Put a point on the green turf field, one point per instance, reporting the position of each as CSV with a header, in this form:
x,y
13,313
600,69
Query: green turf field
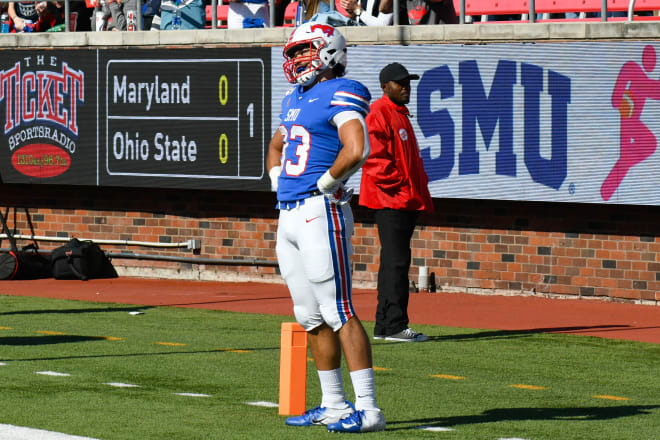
x,y
463,384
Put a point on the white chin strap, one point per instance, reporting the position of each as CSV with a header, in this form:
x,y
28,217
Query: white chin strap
x,y
308,77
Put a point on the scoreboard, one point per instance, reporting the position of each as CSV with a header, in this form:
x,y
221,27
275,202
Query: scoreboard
x,y
185,118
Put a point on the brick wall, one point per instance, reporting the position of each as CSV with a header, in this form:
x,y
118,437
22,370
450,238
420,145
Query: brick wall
x,y
556,249
475,246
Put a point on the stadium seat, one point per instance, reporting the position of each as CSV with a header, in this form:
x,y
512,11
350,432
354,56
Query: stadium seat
x,y
223,10
290,14
479,8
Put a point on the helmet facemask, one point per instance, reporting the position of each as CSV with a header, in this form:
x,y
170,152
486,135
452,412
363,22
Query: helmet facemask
x,y
304,69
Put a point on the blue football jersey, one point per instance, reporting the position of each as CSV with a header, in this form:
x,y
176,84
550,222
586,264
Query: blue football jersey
x,y
311,141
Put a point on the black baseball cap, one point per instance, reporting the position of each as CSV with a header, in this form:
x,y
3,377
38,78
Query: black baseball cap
x,y
395,72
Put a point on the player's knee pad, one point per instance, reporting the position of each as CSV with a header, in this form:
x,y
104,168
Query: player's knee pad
x,y
308,319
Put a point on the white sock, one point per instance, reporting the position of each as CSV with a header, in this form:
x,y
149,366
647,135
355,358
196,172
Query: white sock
x,y
365,390
332,389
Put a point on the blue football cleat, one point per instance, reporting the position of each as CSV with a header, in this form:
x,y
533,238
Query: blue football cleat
x,y
320,416
360,421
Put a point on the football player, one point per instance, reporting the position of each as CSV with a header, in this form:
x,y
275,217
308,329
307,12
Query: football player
x,y
321,141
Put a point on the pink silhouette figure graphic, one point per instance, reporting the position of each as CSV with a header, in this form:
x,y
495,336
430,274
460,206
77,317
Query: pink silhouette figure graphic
x,y
632,88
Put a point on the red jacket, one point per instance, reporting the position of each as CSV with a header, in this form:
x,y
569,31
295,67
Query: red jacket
x,y
393,175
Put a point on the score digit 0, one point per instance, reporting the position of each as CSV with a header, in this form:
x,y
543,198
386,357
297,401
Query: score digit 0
x,y
223,94
223,151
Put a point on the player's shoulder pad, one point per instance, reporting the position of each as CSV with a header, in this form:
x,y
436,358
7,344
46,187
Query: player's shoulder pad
x,y
289,91
352,95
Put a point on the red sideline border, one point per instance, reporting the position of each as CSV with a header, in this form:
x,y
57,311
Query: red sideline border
x,y
511,313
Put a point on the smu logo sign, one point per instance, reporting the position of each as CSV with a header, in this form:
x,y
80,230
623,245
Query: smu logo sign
x,y
484,111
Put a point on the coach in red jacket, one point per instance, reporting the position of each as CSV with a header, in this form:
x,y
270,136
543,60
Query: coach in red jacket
x,y
394,185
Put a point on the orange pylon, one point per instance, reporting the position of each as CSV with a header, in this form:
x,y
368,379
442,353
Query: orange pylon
x,y
293,369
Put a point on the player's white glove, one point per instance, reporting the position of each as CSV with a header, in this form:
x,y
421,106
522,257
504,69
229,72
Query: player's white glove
x,y
274,175
334,190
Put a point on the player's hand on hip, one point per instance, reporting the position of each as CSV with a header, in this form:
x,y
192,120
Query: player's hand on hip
x,y
346,195
339,194
333,189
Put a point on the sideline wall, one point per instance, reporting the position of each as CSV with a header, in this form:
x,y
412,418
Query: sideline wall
x,y
479,246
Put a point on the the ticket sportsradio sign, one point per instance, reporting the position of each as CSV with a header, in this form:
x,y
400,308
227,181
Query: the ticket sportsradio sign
x,y
181,118
42,97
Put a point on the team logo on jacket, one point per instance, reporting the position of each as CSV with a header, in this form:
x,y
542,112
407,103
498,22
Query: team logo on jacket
x,y
403,134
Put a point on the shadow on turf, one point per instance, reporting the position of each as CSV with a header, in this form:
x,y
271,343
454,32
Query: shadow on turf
x,y
225,301
88,310
507,334
497,334
519,414
46,339
219,351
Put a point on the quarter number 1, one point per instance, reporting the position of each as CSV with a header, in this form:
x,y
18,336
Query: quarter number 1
x,y
250,112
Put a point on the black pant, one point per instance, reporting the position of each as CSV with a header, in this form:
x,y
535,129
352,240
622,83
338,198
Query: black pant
x,y
395,229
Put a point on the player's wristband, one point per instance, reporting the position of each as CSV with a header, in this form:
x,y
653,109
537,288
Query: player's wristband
x,y
274,175
326,182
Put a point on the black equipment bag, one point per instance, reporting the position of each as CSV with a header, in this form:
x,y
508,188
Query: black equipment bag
x,y
26,264
80,260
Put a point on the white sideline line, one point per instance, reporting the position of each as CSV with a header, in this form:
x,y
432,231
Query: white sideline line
x,y
262,403
52,373
435,428
121,385
11,432
192,395
2,364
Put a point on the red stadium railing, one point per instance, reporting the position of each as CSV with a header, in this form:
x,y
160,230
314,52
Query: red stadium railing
x,y
535,7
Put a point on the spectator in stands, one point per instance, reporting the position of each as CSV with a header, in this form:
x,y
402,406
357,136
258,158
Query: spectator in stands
x,y
151,15
35,16
193,14
337,17
19,12
50,16
427,12
367,12
280,11
115,11
309,8
248,14
80,16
